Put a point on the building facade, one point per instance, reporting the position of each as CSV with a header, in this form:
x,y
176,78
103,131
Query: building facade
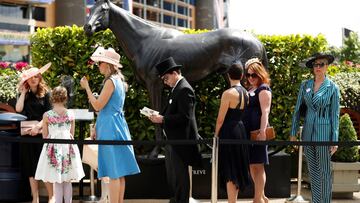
x,y
19,18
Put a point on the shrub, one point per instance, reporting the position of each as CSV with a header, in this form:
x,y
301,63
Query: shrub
x,y
8,87
69,50
349,84
346,133
286,54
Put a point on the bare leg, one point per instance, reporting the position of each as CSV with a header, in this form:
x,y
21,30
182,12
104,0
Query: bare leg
x,y
232,192
122,190
50,190
259,178
34,185
114,188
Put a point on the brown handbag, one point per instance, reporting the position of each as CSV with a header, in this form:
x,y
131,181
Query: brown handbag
x,y
270,134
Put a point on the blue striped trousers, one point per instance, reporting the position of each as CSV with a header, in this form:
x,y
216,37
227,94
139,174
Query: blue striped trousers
x,y
318,160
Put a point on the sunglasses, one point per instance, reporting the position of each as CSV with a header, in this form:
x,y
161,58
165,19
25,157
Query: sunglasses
x,y
320,65
253,75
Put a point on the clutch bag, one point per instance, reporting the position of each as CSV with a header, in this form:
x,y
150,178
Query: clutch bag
x,y
270,134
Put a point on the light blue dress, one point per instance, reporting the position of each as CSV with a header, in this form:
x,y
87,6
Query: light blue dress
x,y
115,161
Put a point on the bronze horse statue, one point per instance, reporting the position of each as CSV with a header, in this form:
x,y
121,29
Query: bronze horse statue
x,y
146,44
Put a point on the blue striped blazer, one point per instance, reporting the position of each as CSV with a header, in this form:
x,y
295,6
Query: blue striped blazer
x,y
321,121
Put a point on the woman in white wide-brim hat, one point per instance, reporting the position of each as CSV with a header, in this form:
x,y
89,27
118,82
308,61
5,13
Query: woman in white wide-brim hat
x,y
33,102
114,161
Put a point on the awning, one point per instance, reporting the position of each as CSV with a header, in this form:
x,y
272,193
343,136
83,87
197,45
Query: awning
x,y
41,1
14,42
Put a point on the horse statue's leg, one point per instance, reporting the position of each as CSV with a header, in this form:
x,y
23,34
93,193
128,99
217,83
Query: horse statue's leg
x,y
155,94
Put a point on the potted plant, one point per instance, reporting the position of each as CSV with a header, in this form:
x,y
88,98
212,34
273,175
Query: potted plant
x,y
345,162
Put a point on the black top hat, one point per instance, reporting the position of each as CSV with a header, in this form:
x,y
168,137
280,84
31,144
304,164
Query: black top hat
x,y
310,61
166,66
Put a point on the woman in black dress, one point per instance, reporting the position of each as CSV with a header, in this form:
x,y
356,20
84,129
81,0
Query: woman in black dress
x,y
233,159
33,102
256,118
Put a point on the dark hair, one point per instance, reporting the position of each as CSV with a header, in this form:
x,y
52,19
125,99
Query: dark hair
x,y
236,71
59,95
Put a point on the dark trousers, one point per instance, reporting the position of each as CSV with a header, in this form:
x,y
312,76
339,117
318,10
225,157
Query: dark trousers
x,y
177,175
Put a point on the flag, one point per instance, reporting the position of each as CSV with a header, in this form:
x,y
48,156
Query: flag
x,y
127,5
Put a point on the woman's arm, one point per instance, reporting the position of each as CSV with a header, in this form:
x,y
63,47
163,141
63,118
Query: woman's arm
x,y
334,114
224,105
19,107
265,104
72,128
45,129
296,114
105,94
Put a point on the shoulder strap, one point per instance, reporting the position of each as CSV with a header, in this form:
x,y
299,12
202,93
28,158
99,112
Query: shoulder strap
x,y
242,99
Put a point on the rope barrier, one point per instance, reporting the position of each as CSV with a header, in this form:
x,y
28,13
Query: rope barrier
x,y
178,142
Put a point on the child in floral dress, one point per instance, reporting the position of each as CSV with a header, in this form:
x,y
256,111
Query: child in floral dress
x,y
59,163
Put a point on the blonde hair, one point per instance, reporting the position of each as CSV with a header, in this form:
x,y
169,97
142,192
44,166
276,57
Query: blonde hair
x,y
115,71
258,68
59,95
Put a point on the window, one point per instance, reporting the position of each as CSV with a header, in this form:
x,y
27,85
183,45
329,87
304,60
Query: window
x,y
39,13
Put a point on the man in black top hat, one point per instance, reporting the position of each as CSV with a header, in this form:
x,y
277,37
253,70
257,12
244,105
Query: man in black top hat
x,y
178,122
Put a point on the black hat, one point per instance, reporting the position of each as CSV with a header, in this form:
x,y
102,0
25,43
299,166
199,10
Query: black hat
x,y
166,66
310,61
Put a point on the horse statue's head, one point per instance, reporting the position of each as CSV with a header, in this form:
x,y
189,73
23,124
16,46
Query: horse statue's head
x,y
99,17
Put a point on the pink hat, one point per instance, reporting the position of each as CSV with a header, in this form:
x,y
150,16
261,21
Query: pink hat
x,y
106,55
32,72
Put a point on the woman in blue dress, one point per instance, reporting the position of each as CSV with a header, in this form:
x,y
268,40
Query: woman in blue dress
x,y
114,161
257,118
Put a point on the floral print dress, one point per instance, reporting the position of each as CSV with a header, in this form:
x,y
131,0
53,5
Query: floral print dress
x,y
59,162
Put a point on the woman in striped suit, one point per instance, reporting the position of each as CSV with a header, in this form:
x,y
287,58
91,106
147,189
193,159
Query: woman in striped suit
x,y
321,123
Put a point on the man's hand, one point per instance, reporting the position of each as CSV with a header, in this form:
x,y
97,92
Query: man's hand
x,y
156,118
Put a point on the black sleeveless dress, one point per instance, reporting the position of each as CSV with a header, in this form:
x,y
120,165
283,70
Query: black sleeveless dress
x,y
234,159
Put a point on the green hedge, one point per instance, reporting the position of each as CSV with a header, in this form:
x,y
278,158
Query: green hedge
x,y
69,51
349,84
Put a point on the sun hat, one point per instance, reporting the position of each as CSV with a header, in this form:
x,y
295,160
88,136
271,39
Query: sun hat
x,y
106,55
310,61
166,66
25,75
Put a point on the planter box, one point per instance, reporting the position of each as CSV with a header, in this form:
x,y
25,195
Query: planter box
x,y
151,183
345,179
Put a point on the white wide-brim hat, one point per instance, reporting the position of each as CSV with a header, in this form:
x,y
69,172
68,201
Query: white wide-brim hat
x,y
29,73
106,55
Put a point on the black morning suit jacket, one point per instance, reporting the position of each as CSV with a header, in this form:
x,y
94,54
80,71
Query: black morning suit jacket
x,y
179,122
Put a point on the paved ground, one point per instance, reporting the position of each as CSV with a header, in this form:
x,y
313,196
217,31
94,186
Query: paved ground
x,y
305,193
